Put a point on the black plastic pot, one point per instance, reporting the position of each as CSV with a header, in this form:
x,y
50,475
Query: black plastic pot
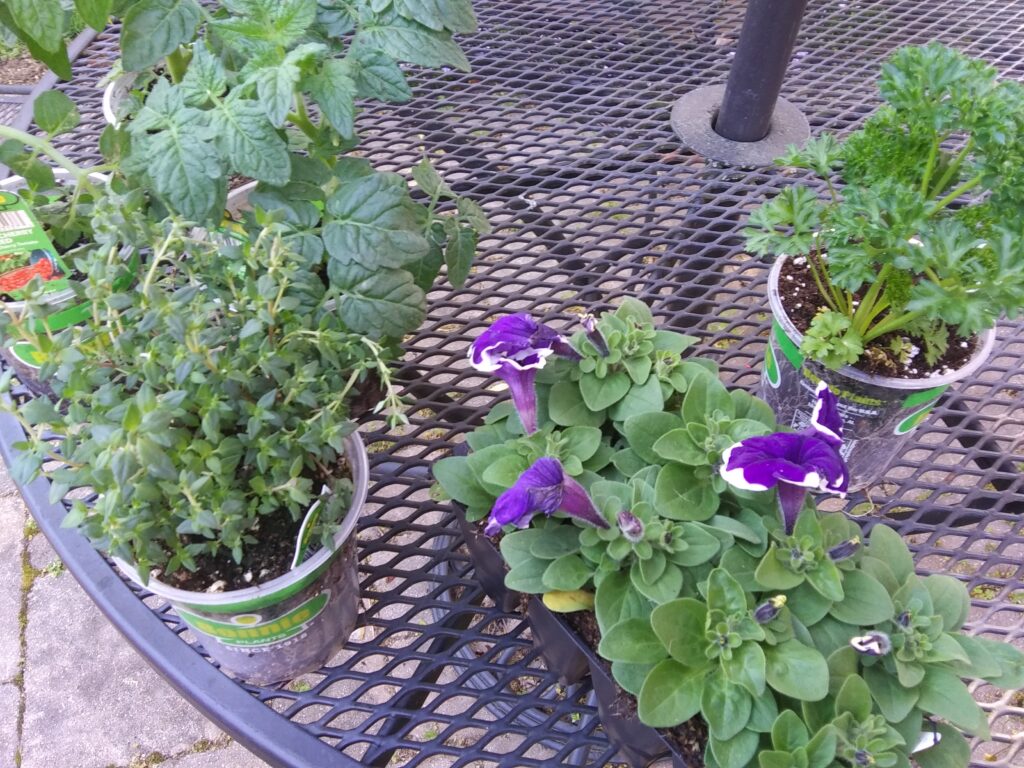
x,y
566,654
878,412
485,680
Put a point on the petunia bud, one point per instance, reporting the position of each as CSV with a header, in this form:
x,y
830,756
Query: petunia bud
x,y
844,550
863,758
766,612
872,644
594,335
632,527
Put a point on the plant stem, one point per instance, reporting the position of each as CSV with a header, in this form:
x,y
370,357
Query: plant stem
x,y
933,153
828,294
966,186
301,117
861,317
892,324
952,170
41,145
176,64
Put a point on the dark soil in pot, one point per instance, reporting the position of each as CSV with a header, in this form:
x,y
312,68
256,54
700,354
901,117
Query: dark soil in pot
x,y
261,562
802,300
20,69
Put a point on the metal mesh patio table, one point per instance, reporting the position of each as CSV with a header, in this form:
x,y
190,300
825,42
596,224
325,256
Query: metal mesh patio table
x,y
562,133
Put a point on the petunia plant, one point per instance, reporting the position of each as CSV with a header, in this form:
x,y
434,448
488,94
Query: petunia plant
x,y
625,479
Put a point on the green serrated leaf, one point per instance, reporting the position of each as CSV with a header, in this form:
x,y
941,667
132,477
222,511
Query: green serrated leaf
x,y
95,13
275,87
42,20
56,60
378,303
334,90
377,76
458,256
205,79
151,29
430,181
453,15
251,144
372,224
405,40
55,113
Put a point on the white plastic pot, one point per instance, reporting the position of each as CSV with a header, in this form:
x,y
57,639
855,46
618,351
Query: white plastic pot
x,y
290,625
878,412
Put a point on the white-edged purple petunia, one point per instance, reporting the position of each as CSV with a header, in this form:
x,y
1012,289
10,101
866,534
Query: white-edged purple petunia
x,y
793,463
515,347
543,487
825,419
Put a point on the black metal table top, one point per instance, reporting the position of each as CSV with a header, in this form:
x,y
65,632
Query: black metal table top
x,y
562,133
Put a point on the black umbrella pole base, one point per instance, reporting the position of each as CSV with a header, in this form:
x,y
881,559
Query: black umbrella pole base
x,y
693,119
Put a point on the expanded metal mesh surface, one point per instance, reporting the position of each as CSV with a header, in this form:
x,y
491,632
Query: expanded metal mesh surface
x,y
562,133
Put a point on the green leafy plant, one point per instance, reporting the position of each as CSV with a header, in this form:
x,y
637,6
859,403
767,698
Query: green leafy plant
x,y
799,644
240,87
918,236
213,393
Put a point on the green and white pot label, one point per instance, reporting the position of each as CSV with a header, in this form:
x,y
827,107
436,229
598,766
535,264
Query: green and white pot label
x,y
253,630
922,403
772,372
853,405
25,250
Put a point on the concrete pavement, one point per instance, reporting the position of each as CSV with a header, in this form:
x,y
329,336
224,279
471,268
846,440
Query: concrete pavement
x,y
73,693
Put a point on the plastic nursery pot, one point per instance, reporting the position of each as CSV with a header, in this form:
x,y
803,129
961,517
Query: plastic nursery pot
x,y
878,412
115,92
63,308
486,680
565,653
290,625
639,744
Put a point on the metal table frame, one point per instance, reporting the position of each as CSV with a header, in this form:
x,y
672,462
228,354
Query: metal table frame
x,y
562,133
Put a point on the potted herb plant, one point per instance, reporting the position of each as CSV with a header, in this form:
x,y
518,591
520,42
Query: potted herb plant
x,y
889,284
209,407
46,220
660,516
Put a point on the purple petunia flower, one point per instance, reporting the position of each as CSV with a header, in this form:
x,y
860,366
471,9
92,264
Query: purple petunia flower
x,y
844,550
544,487
872,644
632,527
792,462
594,335
767,611
515,347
